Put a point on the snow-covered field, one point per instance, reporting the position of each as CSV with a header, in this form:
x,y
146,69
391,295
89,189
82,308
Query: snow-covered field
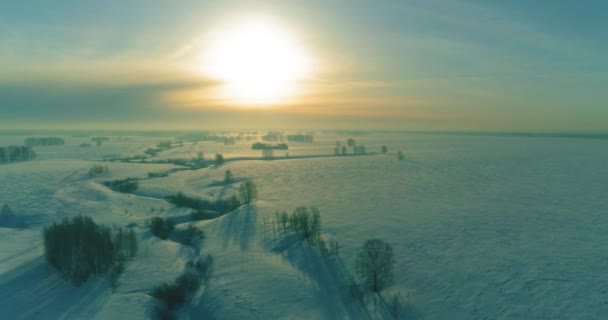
x,y
482,228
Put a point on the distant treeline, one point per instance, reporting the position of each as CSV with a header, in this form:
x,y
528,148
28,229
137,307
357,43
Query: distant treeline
x,y
272,136
16,154
300,137
266,146
49,141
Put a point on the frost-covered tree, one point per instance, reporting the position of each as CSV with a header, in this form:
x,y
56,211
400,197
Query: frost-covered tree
x,y
374,264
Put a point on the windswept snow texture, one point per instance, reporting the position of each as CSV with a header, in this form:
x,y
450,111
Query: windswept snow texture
x,y
482,228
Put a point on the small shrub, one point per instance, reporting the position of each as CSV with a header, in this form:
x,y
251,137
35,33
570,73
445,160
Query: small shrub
x,y
334,248
161,228
227,176
170,294
396,304
400,156
248,192
384,149
374,264
354,288
219,159
284,218
204,267
6,213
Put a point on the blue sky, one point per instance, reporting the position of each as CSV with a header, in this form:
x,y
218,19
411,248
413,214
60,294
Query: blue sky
x,y
412,65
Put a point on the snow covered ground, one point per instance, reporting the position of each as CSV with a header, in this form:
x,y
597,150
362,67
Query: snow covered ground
x,y
482,228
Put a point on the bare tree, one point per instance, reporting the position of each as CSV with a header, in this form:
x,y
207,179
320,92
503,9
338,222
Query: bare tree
x,y
248,192
374,264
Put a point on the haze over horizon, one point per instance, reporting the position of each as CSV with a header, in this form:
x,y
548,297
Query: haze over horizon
x,y
398,65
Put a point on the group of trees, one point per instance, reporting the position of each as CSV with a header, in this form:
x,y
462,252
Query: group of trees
x,y
220,206
126,185
273,136
341,149
78,248
161,228
306,221
16,154
267,146
373,264
248,192
300,138
172,296
48,141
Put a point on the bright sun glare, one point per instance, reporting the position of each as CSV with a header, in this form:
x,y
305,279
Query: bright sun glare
x,y
259,62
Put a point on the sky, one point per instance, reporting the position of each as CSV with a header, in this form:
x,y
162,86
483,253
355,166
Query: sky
x,y
398,65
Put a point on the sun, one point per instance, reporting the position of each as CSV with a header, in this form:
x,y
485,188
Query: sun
x,y
258,61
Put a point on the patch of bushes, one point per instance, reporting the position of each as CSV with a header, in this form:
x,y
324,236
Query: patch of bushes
x,y
157,174
161,228
97,170
221,206
190,236
126,185
173,296
78,248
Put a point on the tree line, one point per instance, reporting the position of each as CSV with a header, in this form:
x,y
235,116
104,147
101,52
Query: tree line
x,y
48,141
16,154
